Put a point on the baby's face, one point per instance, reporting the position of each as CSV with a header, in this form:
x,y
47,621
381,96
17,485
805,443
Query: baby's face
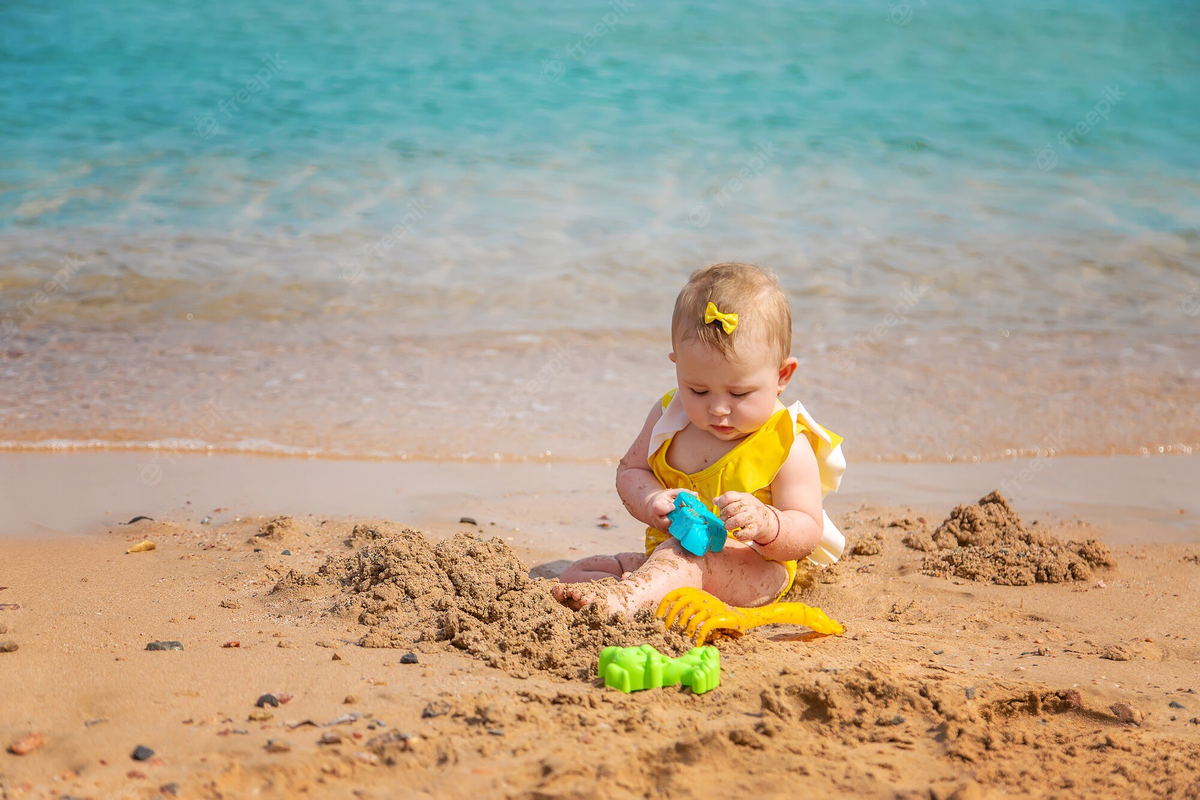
x,y
729,399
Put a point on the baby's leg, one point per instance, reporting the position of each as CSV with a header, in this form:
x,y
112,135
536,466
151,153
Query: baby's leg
x,y
594,568
737,575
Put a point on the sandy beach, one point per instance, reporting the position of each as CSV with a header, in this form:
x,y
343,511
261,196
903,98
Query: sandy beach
x,y
945,683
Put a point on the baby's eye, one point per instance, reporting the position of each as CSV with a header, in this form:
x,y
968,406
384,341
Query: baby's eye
x,y
699,393
739,394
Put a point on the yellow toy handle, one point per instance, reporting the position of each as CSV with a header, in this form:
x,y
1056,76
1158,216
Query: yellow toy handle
x,y
700,613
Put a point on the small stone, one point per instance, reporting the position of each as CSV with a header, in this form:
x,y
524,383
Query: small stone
x,y
496,731
9,647
970,691
206,521
141,753
1177,704
351,699
438,708
408,658
172,645
287,552
938,652
337,656
1127,713
169,789
285,698
3,628
267,700
135,775
323,643
230,604
260,715
329,737
142,547
27,745
467,521
232,644
896,720
278,746
283,643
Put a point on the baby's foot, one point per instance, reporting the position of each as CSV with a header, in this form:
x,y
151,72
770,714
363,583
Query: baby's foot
x,y
575,595
609,597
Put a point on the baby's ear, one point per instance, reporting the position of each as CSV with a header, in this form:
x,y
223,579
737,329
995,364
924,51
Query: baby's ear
x,y
671,355
788,369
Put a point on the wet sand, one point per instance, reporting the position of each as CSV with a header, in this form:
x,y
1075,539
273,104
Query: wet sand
x,y
941,685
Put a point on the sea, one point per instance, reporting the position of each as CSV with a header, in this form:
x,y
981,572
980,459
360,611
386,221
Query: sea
x,y
455,231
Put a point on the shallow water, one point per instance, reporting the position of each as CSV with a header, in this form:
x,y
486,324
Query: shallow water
x,y
976,265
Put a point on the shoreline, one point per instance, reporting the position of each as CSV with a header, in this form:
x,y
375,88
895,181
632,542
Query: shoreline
x,y
556,505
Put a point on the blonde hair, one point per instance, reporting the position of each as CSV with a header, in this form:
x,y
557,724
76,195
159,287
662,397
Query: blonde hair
x,y
753,293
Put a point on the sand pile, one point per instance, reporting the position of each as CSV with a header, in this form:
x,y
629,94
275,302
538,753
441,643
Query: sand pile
x,y
477,596
987,541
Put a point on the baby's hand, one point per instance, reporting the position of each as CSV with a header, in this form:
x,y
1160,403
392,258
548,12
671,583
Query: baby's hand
x,y
747,512
659,505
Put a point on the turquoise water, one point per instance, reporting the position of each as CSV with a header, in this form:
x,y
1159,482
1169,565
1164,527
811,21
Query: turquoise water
x,y
538,166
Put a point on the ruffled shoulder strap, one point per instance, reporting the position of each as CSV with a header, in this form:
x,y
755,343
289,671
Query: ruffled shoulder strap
x,y
673,420
826,444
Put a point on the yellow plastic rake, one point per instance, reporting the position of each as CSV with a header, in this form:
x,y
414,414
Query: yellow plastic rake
x,y
699,613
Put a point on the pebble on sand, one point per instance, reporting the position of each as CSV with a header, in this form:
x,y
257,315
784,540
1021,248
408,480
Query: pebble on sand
x,y
408,658
165,646
142,547
260,715
3,628
1177,704
1127,713
141,753
232,644
467,521
351,699
329,737
27,745
9,647
267,700
278,746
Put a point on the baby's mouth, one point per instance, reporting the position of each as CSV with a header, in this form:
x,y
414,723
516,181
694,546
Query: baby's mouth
x,y
723,428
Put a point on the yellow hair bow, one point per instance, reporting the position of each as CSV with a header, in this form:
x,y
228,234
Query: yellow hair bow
x,y
728,321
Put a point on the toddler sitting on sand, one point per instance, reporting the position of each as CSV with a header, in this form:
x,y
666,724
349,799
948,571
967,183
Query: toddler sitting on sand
x,y
723,435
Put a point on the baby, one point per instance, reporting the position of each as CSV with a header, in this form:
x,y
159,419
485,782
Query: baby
x,y
723,435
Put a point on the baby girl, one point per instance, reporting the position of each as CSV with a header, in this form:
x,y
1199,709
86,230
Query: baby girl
x,y
723,435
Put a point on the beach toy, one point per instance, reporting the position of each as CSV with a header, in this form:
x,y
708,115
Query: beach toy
x,y
699,530
631,669
700,614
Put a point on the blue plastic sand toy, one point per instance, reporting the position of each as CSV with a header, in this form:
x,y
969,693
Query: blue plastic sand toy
x,y
699,530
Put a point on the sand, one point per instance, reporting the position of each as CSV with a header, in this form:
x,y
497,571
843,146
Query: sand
x,y
943,686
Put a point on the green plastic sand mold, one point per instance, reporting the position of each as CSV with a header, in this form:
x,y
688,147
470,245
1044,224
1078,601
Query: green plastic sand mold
x,y
631,669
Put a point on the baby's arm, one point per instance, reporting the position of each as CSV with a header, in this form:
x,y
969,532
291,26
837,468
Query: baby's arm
x,y
642,494
796,494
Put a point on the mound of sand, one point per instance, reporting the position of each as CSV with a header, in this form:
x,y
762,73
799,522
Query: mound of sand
x,y
477,596
987,541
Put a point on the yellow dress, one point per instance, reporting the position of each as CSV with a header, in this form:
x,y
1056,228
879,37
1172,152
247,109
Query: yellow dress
x,y
750,467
